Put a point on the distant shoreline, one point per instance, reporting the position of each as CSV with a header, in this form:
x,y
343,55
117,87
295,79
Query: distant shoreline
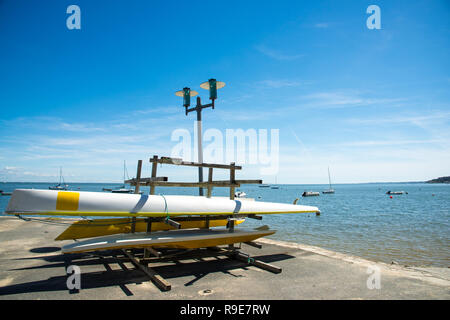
x,y
292,184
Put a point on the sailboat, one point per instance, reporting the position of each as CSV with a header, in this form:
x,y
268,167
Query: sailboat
x,y
61,185
275,187
123,189
331,190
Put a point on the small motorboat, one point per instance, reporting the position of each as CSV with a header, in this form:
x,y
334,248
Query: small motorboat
x,y
310,194
240,194
122,190
59,187
396,192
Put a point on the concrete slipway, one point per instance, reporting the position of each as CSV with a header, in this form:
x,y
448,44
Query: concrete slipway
x,y
32,267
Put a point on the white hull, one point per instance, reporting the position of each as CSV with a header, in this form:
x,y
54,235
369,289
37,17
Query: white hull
x,y
68,203
310,194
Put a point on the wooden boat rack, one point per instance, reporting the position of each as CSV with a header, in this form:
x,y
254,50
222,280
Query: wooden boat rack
x,y
155,181
150,255
142,261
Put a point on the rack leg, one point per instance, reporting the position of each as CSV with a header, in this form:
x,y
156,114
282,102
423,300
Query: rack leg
x,y
256,263
159,281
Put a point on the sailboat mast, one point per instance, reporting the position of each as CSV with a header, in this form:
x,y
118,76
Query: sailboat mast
x,y
124,170
329,179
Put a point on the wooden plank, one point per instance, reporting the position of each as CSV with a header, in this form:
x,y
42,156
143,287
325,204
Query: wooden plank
x,y
253,244
189,254
162,182
154,252
257,263
172,223
145,181
156,278
193,184
149,225
210,176
154,168
179,162
138,176
232,181
198,218
136,191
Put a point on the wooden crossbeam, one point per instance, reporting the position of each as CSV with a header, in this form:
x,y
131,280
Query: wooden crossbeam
x,y
205,184
187,255
172,223
253,216
145,181
156,278
257,263
232,180
253,244
179,162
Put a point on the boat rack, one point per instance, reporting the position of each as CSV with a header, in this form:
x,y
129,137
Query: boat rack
x,y
151,255
142,260
155,181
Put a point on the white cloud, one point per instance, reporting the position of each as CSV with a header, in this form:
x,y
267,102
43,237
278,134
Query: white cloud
x,y
278,55
321,25
280,83
342,99
419,120
388,143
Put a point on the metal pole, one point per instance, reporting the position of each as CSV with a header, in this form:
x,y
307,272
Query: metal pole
x,y
199,143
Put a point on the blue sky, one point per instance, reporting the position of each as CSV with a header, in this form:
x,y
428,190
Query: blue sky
x,y
374,105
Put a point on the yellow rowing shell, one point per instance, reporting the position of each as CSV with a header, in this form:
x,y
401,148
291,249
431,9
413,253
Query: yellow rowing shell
x,y
103,227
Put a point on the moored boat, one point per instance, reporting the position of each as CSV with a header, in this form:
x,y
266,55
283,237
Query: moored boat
x,y
61,185
240,194
330,190
310,194
396,192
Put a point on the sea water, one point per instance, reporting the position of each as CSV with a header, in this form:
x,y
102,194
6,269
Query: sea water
x,y
359,219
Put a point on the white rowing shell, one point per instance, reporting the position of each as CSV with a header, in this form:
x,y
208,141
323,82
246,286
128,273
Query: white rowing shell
x,y
69,203
181,239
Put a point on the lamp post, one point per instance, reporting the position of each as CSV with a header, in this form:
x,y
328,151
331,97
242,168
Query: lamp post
x,y
212,85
